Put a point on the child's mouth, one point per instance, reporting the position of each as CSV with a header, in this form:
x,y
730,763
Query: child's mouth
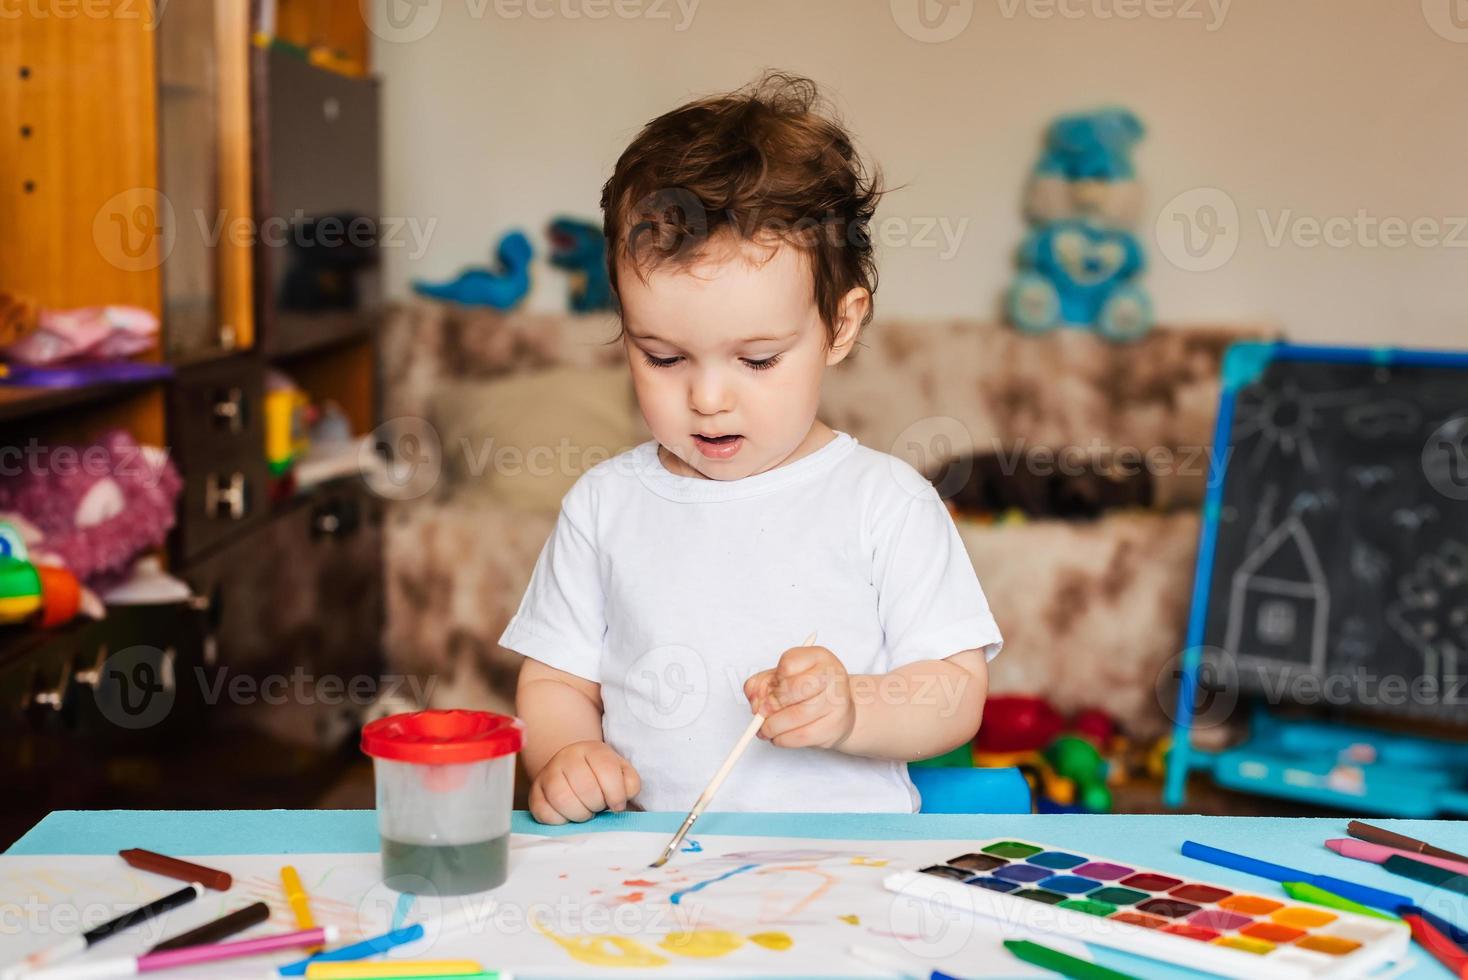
x,y
718,447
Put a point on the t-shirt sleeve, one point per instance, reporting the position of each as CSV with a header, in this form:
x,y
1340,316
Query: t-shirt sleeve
x,y
562,617
928,595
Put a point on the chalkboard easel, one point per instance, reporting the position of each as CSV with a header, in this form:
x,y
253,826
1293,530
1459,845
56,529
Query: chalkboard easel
x,y
1332,569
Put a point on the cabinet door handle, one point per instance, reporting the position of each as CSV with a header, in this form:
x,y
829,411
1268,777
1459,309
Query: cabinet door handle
x,y
224,496
54,697
229,410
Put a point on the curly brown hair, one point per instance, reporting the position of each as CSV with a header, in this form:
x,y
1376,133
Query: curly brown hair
x,y
769,163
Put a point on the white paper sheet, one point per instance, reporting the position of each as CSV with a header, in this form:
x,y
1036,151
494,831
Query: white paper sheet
x,y
574,906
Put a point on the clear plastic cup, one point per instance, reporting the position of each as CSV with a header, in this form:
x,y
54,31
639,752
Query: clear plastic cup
x,y
445,789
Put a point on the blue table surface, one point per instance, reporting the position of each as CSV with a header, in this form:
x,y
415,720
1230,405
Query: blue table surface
x,y
1150,840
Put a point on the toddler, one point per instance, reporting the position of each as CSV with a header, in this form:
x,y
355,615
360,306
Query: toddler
x,y
667,606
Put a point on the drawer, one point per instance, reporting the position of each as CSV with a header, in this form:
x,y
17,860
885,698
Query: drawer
x,y
217,437
294,611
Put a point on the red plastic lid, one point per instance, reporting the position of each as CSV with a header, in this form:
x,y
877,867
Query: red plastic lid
x,y
442,737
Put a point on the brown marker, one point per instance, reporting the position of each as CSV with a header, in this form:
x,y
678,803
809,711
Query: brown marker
x,y
174,868
1386,838
221,928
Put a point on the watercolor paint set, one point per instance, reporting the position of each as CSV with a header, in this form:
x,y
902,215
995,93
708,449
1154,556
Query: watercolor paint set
x,y
1164,915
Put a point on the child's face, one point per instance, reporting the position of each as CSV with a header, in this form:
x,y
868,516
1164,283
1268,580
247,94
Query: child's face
x,y
727,356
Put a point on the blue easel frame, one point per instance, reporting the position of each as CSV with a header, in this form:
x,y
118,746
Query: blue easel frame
x,y
1244,363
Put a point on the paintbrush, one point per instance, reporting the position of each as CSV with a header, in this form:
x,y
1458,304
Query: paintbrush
x,y
713,787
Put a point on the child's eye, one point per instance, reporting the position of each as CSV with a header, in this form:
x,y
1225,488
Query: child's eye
x,y
660,362
763,364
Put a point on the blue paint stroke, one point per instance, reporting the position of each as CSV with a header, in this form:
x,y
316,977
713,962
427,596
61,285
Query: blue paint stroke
x,y
677,896
400,914
693,847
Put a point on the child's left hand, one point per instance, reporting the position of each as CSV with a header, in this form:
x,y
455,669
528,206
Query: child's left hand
x,y
806,700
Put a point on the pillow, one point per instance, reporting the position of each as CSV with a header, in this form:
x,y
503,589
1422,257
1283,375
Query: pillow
x,y
521,440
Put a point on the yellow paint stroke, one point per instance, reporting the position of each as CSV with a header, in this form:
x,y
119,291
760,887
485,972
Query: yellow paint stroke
x,y
772,940
702,943
605,950
862,862
851,920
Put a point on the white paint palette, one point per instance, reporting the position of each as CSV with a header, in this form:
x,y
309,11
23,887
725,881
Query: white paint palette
x,y
1167,916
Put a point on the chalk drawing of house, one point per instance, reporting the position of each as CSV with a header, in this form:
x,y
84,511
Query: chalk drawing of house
x,y
1279,603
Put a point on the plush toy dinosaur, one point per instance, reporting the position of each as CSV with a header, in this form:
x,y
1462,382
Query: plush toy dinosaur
x,y
578,247
500,288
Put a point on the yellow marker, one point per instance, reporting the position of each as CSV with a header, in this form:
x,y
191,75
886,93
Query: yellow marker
x,y
300,902
359,970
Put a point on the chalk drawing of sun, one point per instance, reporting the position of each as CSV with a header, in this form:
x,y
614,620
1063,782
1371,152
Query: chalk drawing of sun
x,y
1282,421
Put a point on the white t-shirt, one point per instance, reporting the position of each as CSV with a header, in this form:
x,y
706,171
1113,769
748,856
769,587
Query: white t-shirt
x,y
670,591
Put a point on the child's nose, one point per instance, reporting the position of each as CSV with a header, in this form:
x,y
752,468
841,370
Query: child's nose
x,y
709,394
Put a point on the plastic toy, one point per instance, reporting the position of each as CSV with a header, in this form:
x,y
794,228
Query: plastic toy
x,y
48,594
1080,261
579,247
1063,761
500,288
286,410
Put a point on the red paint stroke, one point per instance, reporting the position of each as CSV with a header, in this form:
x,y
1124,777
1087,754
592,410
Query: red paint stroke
x,y
639,883
631,897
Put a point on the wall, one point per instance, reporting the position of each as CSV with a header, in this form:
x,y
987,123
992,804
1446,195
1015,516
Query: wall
x,y
504,112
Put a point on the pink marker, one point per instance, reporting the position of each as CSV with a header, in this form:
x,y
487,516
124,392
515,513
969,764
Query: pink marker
x,y
1361,850
126,966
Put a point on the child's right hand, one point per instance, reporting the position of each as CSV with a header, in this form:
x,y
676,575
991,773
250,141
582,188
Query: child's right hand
x,y
581,780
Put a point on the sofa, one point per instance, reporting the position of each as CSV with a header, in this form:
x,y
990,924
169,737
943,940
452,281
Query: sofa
x,y
520,403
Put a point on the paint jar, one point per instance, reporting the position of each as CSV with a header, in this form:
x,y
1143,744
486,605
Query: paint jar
x,y
445,788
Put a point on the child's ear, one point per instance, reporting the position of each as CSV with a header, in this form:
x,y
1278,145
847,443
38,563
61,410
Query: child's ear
x,y
850,314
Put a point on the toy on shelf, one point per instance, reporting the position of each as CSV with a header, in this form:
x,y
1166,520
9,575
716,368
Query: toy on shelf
x,y
96,333
329,255
93,510
1064,761
579,247
1080,262
500,288
47,594
287,420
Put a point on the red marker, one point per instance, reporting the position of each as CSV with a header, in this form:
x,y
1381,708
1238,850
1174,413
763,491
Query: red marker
x,y
1448,953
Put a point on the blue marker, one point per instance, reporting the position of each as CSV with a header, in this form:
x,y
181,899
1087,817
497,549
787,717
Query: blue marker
x,y
1365,894
356,951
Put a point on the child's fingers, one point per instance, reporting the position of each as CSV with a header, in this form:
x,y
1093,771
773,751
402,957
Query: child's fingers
x,y
563,793
608,776
540,809
758,687
631,781
786,692
793,717
798,660
816,732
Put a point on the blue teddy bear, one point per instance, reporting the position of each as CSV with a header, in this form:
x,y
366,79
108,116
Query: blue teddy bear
x,y
1079,263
